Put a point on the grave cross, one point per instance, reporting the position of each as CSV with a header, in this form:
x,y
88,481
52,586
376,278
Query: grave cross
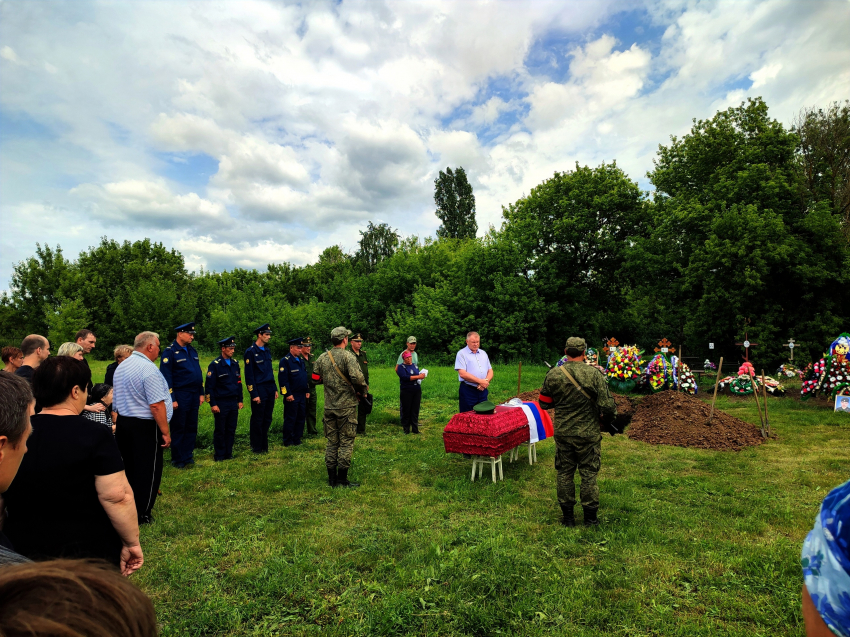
x,y
664,347
791,345
747,345
610,346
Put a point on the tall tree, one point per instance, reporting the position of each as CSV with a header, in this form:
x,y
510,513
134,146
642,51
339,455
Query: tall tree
x,y
455,205
376,244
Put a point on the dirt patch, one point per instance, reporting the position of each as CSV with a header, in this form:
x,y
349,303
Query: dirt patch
x,y
625,406
681,420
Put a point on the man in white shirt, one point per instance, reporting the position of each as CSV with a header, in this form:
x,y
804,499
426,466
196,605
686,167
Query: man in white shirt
x,y
474,373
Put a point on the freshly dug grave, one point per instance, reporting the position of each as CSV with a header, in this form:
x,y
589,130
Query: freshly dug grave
x,y
625,406
672,418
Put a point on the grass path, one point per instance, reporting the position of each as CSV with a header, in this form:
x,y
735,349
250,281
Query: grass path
x,y
692,542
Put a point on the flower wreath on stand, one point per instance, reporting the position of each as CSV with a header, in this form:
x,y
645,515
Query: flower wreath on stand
x,y
830,376
624,372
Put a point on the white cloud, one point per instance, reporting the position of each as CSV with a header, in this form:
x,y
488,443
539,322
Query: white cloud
x,y
7,53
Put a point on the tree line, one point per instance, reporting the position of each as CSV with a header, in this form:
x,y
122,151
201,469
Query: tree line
x,y
748,229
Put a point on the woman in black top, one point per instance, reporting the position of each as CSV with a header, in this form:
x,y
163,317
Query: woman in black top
x,y
411,392
121,353
71,497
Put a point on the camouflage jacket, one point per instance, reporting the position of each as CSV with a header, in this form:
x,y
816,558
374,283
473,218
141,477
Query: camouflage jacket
x,y
575,415
338,393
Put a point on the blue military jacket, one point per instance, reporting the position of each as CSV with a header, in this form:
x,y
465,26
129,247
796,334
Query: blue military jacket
x,y
182,369
258,368
224,382
292,376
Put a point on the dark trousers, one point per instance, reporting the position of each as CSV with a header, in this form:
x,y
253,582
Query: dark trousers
x,y
184,426
469,396
312,404
261,417
294,413
225,428
140,443
411,399
361,417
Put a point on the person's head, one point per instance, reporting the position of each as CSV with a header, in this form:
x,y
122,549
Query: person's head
x,y
35,349
575,348
13,358
61,380
264,334
74,350
356,342
295,346
411,343
122,353
407,357
185,334
307,347
148,344
339,336
228,347
75,598
473,341
16,406
101,393
85,339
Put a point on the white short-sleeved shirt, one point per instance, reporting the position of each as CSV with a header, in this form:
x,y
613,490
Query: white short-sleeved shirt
x,y
137,385
476,364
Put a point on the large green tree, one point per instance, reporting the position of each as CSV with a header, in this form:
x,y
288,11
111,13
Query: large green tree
x,y
455,205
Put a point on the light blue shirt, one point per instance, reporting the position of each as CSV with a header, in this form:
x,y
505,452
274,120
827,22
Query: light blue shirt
x,y
137,385
477,364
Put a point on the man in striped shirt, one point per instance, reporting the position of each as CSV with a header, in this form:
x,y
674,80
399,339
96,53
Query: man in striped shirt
x,y
144,408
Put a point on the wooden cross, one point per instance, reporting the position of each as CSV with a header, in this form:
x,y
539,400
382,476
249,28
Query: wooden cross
x,y
747,345
610,345
664,347
791,345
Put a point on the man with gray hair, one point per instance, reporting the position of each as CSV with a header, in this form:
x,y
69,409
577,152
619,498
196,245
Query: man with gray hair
x,y
143,403
474,373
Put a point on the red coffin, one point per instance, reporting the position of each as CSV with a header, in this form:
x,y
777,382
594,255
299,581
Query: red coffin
x,y
486,434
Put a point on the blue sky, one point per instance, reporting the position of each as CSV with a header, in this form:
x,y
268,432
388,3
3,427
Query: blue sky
x,y
256,132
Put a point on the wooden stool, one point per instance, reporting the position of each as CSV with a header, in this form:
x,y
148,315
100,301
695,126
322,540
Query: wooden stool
x,y
478,463
532,453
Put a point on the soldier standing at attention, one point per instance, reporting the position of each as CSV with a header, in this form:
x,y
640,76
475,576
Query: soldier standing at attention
x,y
340,373
360,355
224,394
580,396
259,376
295,388
312,398
181,367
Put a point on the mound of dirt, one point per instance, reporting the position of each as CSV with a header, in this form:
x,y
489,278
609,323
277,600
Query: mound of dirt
x,y
625,406
672,418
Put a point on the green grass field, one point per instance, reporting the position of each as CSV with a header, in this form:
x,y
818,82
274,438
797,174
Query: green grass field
x,y
691,543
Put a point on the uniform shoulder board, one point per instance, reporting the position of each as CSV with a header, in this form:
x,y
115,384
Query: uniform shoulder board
x,y
216,361
286,357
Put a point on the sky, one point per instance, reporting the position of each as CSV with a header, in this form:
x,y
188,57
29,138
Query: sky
x,y
247,133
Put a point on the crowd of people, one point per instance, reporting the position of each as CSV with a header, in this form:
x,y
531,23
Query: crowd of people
x,y
91,455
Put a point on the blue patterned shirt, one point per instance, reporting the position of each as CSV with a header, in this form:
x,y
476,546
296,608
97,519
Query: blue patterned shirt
x,y
138,384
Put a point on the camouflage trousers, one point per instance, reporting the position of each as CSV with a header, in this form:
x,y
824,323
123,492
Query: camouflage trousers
x,y
584,454
340,431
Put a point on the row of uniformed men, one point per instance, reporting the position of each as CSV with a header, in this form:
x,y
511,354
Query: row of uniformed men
x,y
180,365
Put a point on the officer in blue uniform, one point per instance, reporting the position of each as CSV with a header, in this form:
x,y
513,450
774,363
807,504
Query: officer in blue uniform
x,y
224,394
181,367
259,377
295,389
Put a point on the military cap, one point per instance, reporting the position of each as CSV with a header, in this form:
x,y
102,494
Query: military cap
x,y
298,340
186,327
357,337
307,342
263,329
411,339
230,341
484,408
340,333
575,342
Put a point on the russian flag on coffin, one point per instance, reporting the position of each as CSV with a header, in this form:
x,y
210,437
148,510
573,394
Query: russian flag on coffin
x,y
539,423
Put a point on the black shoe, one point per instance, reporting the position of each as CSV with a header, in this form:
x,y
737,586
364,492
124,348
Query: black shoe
x,y
416,429
406,430
590,518
146,519
332,476
569,518
343,481
178,465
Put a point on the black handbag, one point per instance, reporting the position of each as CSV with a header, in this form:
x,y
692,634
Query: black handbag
x,y
368,400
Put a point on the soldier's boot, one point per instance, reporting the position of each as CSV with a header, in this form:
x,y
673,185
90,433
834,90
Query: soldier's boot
x,y
343,481
590,518
332,476
569,518
416,427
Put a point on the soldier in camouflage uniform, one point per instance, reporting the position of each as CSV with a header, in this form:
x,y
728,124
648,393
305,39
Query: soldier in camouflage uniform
x,y
362,360
578,438
339,371
313,400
